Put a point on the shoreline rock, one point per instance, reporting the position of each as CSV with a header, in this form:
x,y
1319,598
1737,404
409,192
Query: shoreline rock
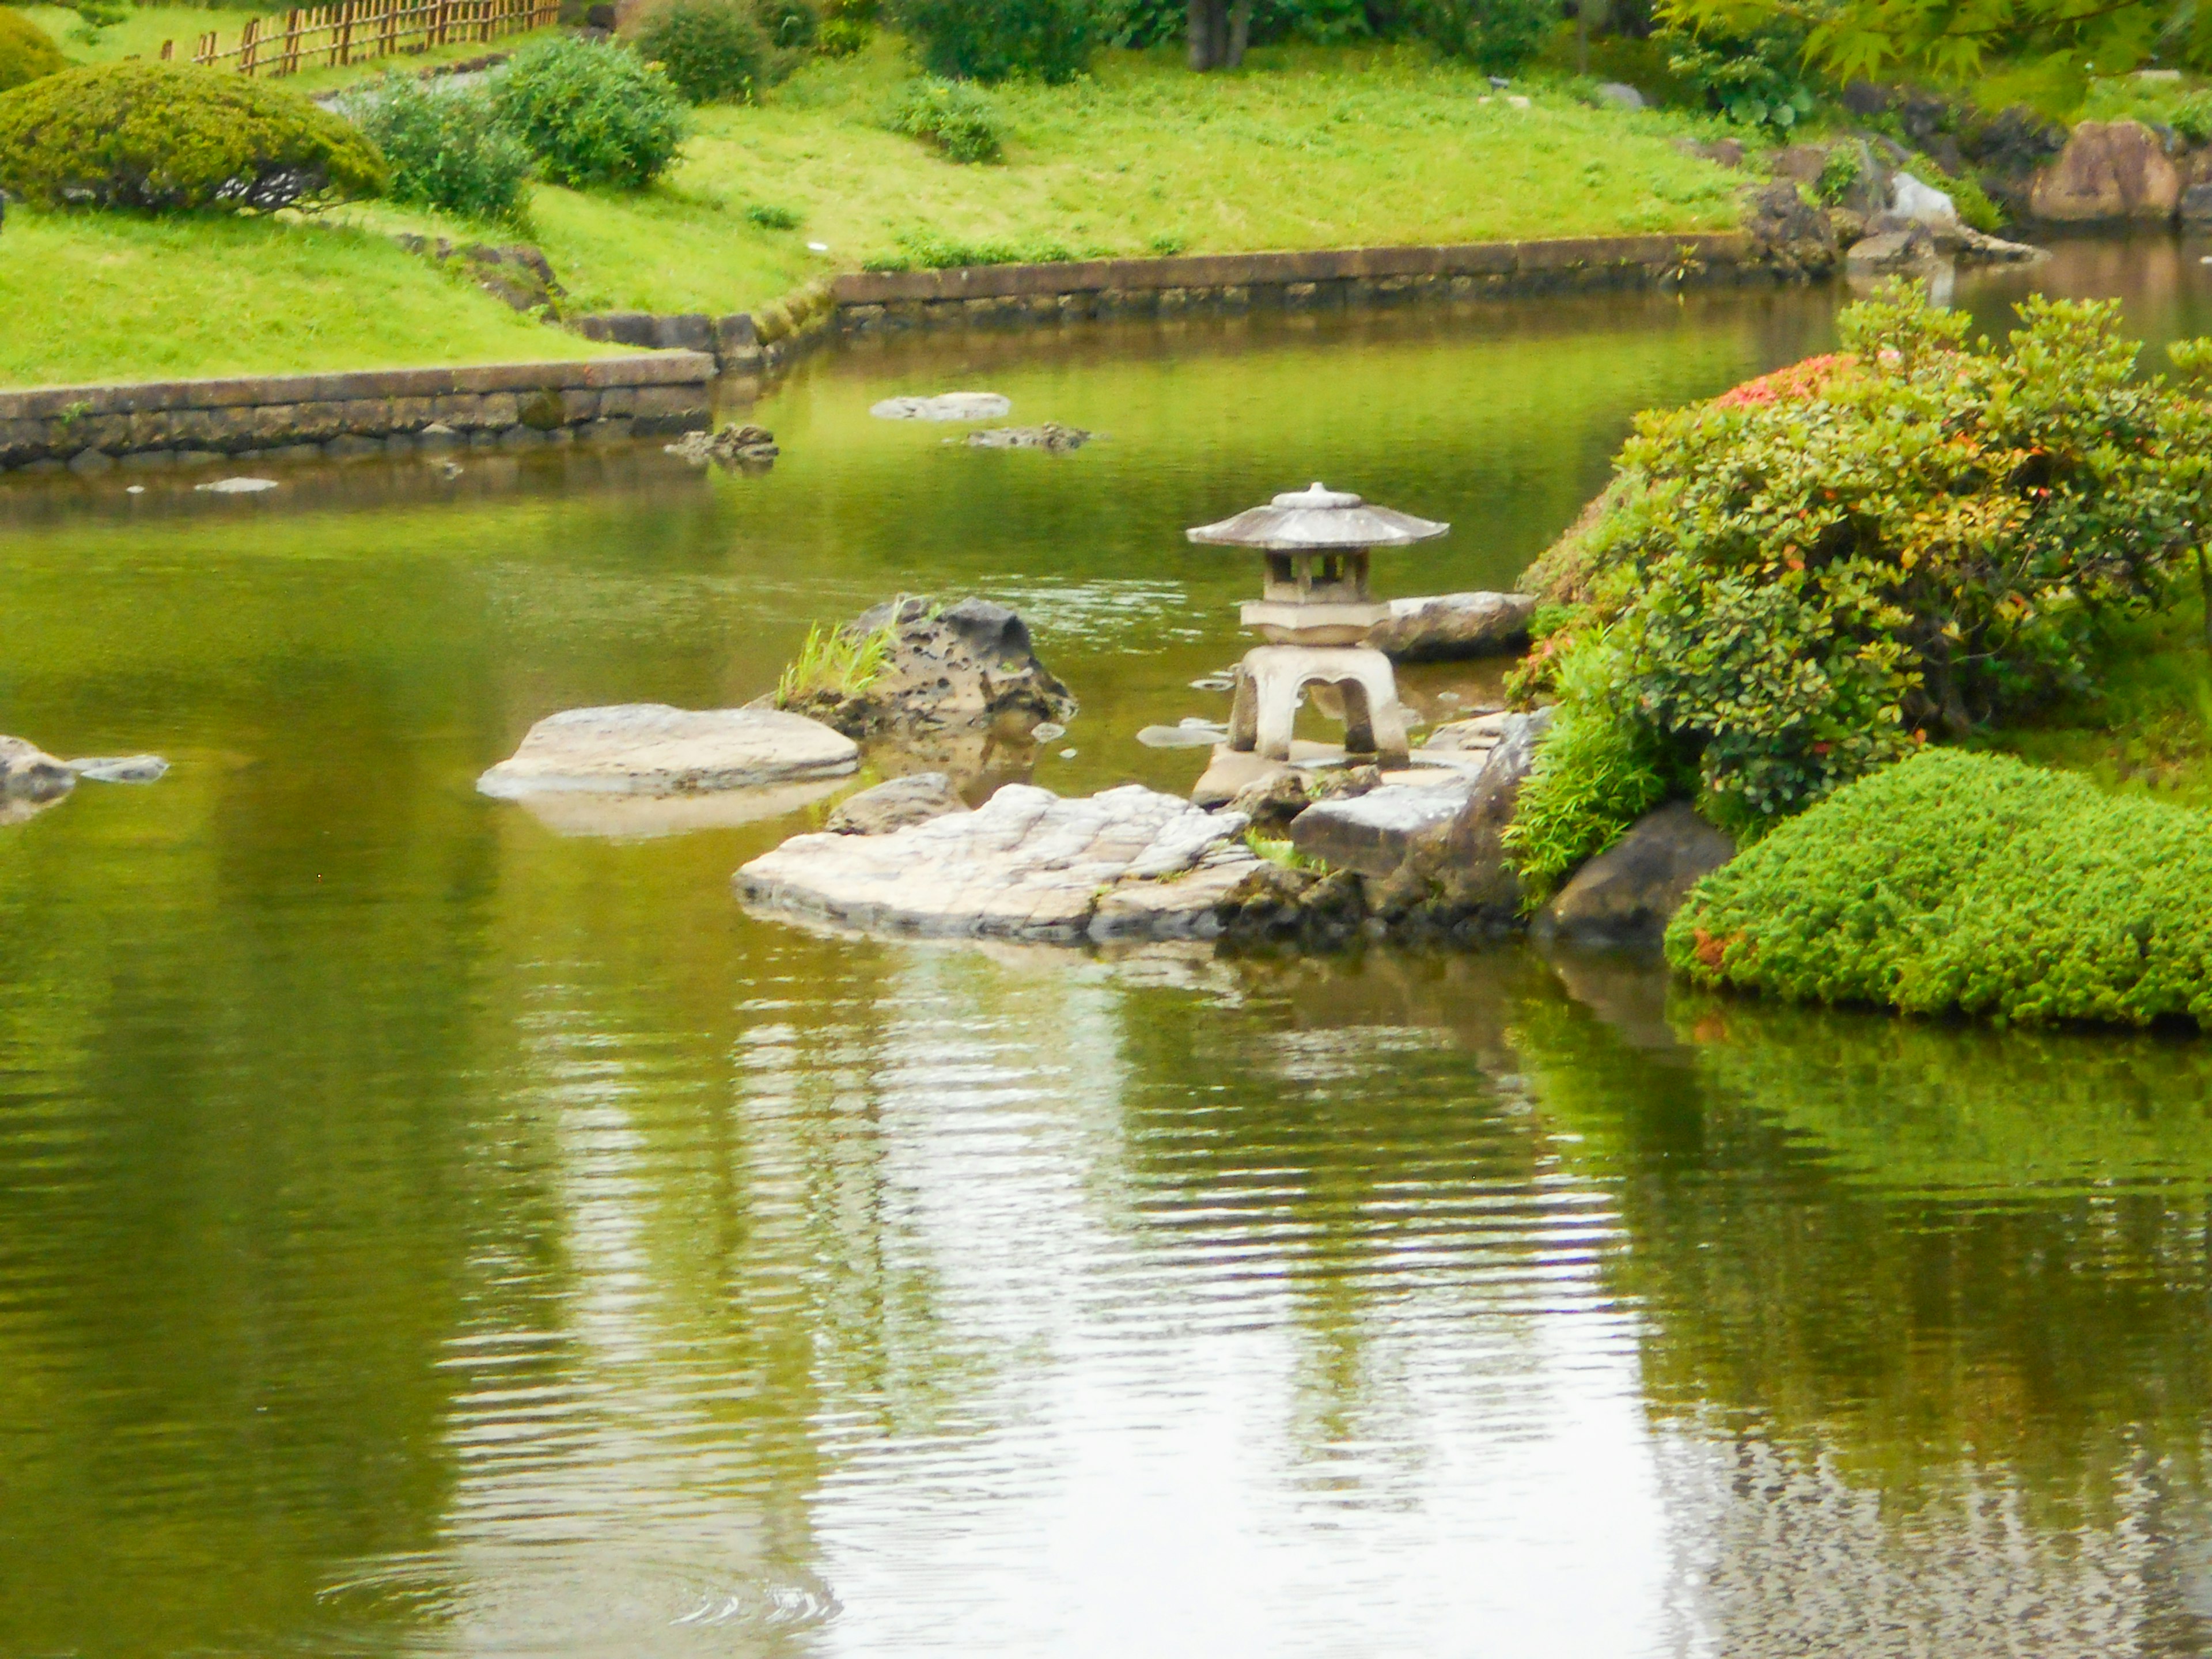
x,y
1441,626
1026,864
1627,894
969,665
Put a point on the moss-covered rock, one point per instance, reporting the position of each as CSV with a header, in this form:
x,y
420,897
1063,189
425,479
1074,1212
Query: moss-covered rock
x,y
27,52
169,137
1969,882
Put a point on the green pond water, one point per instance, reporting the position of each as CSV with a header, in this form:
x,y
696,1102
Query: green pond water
x,y
426,1232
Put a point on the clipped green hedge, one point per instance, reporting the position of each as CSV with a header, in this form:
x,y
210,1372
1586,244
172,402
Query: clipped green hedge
x,y
1978,884
26,51
171,137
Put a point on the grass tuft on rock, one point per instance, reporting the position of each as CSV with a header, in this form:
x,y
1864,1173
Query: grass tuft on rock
x,y
1961,883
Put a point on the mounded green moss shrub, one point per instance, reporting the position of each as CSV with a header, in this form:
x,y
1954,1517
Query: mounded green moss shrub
x,y
961,121
170,137
591,114
27,51
716,52
1956,881
445,147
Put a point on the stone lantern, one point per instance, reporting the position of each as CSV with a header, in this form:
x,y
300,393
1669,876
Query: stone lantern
x,y
1314,611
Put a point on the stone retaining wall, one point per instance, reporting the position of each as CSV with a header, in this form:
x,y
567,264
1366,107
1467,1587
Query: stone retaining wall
x,y
1102,288
510,406
745,342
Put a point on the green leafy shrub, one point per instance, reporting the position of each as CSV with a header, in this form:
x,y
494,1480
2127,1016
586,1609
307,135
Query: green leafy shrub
x,y
770,216
446,147
1804,580
792,26
1969,882
929,250
169,137
848,26
1756,76
997,40
27,51
1498,37
2191,116
1841,169
962,122
1594,776
714,51
592,113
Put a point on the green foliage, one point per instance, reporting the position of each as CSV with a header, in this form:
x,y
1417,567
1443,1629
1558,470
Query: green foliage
x,y
1844,165
715,51
840,37
768,216
1755,73
1049,40
928,250
832,664
592,113
26,51
170,137
1806,577
1597,771
1282,852
1973,883
1876,40
792,26
445,147
961,121
2191,116
1498,37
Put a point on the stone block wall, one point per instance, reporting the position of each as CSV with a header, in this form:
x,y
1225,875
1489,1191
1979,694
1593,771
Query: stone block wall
x,y
509,405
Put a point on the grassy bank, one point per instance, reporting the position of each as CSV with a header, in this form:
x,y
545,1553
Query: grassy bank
x,y
90,298
1306,148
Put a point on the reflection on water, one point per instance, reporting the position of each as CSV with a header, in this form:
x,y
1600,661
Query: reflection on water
x,y
425,1231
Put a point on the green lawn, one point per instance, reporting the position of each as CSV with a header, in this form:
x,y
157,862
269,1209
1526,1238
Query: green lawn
x,y
1306,148
93,297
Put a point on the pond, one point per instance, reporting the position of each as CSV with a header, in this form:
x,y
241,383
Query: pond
x,y
422,1232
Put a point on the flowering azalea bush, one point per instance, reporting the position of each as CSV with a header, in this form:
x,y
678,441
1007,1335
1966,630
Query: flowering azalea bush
x,y
1818,572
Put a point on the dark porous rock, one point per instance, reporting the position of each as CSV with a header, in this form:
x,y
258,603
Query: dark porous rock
x,y
912,799
751,447
969,665
1312,909
30,778
1802,162
1052,437
1627,894
1273,800
1376,832
1788,232
2197,205
2010,150
1445,625
1460,869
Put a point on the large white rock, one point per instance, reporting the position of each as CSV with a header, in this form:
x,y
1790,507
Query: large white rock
x,y
1126,863
651,749
1911,199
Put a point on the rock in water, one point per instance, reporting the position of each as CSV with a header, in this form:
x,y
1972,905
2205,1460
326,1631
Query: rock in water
x,y
1627,894
27,773
1911,199
120,769
651,749
1129,863
945,406
750,447
1453,625
967,665
1788,233
236,486
1051,436
915,798
2110,171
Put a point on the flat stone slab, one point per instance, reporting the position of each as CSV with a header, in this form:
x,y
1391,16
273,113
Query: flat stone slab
x,y
120,769
945,406
1374,833
651,749
1444,625
1127,863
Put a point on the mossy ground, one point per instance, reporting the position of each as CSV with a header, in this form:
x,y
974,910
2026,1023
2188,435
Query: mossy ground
x,y
91,297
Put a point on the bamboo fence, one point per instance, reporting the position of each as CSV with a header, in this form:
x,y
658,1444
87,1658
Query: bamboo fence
x,y
356,31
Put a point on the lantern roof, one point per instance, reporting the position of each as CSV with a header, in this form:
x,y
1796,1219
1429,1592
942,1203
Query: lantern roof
x,y
1318,519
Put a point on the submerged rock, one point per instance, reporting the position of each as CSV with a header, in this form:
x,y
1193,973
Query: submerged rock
x,y
751,447
969,665
945,406
651,749
1127,863
1627,894
915,798
27,773
120,769
1051,436
236,486
1453,625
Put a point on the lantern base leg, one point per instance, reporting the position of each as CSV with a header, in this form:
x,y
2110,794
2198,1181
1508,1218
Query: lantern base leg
x,y
1272,677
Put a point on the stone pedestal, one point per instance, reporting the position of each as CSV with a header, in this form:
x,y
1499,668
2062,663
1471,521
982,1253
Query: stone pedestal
x,y
1272,677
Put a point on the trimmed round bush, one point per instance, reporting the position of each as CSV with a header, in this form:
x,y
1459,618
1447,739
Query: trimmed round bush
x,y
953,116
27,51
714,51
1973,883
445,147
171,137
592,113
997,40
